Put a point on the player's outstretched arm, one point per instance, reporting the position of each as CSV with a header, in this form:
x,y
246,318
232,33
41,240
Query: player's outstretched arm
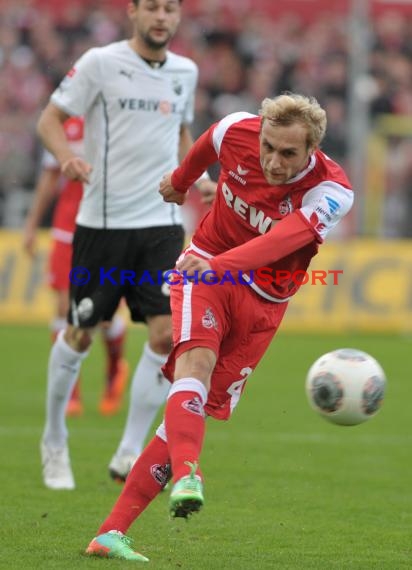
x,y
201,155
206,187
287,236
310,223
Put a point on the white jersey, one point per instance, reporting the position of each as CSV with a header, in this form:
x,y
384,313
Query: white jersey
x,y
133,115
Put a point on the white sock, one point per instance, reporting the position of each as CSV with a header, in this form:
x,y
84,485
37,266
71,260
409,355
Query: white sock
x,y
63,371
58,324
189,384
148,393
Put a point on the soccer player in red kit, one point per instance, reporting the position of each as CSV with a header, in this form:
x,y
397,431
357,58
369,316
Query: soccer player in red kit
x,y
70,192
278,197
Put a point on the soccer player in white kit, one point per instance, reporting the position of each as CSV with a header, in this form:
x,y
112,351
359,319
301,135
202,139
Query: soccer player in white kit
x,y
69,193
137,99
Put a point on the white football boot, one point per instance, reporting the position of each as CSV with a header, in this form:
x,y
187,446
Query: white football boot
x,y
57,472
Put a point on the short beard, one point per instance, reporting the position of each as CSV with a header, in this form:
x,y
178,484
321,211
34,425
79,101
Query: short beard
x,y
155,45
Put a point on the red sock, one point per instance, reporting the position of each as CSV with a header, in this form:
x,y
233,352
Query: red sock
x,y
114,353
144,482
185,429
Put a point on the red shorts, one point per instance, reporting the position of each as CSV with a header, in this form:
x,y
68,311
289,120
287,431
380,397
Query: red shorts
x,y
234,322
60,260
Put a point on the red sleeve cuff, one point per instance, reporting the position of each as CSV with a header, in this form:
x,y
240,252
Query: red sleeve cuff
x,y
176,184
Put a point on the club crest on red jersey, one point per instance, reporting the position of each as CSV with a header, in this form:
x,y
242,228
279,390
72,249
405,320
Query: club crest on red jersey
x,y
209,320
285,207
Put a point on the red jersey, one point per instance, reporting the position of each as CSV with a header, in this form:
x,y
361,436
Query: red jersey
x,y
275,226
71,191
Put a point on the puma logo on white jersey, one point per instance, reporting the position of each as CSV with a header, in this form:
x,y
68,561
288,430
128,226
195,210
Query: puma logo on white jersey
x,y
128,74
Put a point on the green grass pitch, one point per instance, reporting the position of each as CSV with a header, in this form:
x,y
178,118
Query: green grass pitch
x,y
284,488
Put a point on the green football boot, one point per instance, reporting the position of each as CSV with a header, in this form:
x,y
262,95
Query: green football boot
x,y
187,494
114,544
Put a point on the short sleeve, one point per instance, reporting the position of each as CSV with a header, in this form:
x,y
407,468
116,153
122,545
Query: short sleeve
x,y
80,87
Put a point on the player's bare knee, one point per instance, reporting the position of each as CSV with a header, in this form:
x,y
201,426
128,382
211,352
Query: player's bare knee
x,y
160,341
196,363
78,339
160,333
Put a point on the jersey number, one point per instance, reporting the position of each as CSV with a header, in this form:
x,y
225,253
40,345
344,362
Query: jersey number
x,y
235,389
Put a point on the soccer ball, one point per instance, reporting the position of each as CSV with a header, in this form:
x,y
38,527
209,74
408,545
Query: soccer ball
x,y
346,386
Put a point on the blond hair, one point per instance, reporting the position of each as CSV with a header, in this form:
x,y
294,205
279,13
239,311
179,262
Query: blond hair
x,y
290,108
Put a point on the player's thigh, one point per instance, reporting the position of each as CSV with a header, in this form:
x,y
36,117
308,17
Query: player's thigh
x,y
200,315
95,292
157,253
199,319
231,374
252,331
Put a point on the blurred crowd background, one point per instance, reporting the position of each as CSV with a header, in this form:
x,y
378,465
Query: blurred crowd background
x,y
246,50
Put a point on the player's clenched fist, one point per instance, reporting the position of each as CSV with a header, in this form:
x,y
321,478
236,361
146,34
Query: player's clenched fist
x,y
169,193
76,168
193,265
